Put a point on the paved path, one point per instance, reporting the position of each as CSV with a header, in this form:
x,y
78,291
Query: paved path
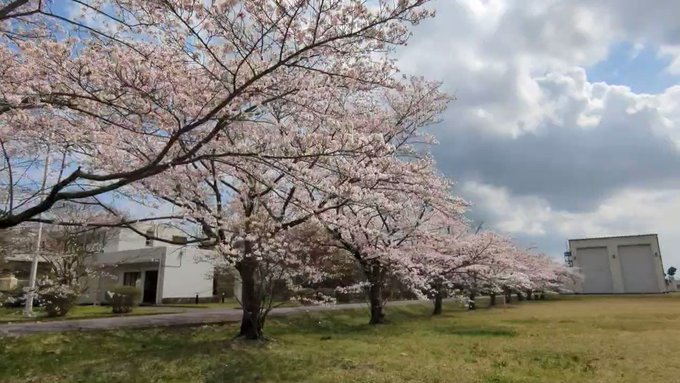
x,y
190,318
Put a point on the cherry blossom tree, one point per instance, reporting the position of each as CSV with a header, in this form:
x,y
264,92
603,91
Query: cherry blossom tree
x,y
378,239
546,275
394,193
460,260
456,261
67,252
524,272
257,234
247,209
358,151
114,92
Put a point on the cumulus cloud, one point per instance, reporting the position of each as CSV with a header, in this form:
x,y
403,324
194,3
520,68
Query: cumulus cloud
x,y
535,222
541,149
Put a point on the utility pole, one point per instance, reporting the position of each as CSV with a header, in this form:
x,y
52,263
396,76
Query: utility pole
x,y
28,308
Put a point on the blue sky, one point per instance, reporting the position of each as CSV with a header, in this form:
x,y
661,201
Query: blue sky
x,y
642,68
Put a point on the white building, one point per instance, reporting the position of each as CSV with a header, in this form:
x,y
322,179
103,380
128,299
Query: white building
x,y
615,265
164,273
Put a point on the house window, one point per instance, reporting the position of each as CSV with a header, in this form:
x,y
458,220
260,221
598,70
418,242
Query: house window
x,y
149,241
130,278
179,239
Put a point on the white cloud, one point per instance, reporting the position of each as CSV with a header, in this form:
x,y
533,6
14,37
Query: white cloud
x,y
509,214
627,212
672,52
544,152
635,51
493,55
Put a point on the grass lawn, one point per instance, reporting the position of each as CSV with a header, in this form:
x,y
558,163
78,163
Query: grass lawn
x,y
577,340
80,312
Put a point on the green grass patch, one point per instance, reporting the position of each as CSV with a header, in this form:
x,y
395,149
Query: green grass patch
x,y
591,339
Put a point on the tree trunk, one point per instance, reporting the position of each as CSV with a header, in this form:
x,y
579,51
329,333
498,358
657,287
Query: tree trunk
x,y
375,297
520,297
508,296
530,295
375,294
437,304
251,321
492,299
542,296
471,301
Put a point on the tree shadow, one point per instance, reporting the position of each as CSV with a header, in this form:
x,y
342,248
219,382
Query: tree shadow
x,y
209,353
481,332
346,322
457,329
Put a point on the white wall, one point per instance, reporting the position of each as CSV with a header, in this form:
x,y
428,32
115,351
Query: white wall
x,y
613,245
126,239
149,254
116,264
185,273
97,287
596,269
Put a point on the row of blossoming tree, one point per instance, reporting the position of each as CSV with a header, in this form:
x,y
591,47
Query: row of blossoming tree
x,y
274,126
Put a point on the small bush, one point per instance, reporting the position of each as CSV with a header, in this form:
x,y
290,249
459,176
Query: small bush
x,y
123,298
58,298
14,298
305,295
280,291
350,297
58,305
308,296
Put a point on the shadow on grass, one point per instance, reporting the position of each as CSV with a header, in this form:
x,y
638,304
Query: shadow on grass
x,y
552,360
481,332
208,353
348,322
485,331
539,360
124,355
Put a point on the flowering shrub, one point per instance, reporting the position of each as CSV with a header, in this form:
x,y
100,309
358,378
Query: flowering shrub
x,y
123,298
13,298
308,296
5,299
57,298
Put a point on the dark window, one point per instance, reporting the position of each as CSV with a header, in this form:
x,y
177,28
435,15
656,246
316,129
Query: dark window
x,y
179,239
130,278
149,241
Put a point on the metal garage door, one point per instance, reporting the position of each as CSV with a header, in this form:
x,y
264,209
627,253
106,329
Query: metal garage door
x,y
638,269
597,276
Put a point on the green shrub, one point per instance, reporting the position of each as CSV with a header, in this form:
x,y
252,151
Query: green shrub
x,y
310,296
13,298
58,304
280,291
123,298
350,297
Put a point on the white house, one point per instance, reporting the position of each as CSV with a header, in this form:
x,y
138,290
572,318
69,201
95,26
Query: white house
x,y
614,265
15,271
164,273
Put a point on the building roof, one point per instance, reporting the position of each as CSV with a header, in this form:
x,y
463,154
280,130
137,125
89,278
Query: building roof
x,y
143,255
614,237
22,257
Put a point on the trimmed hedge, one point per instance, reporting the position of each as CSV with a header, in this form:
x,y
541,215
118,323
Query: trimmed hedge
x,y
58,305
123,298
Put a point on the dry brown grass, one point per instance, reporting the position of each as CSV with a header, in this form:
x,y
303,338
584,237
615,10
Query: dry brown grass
x,y
575,340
